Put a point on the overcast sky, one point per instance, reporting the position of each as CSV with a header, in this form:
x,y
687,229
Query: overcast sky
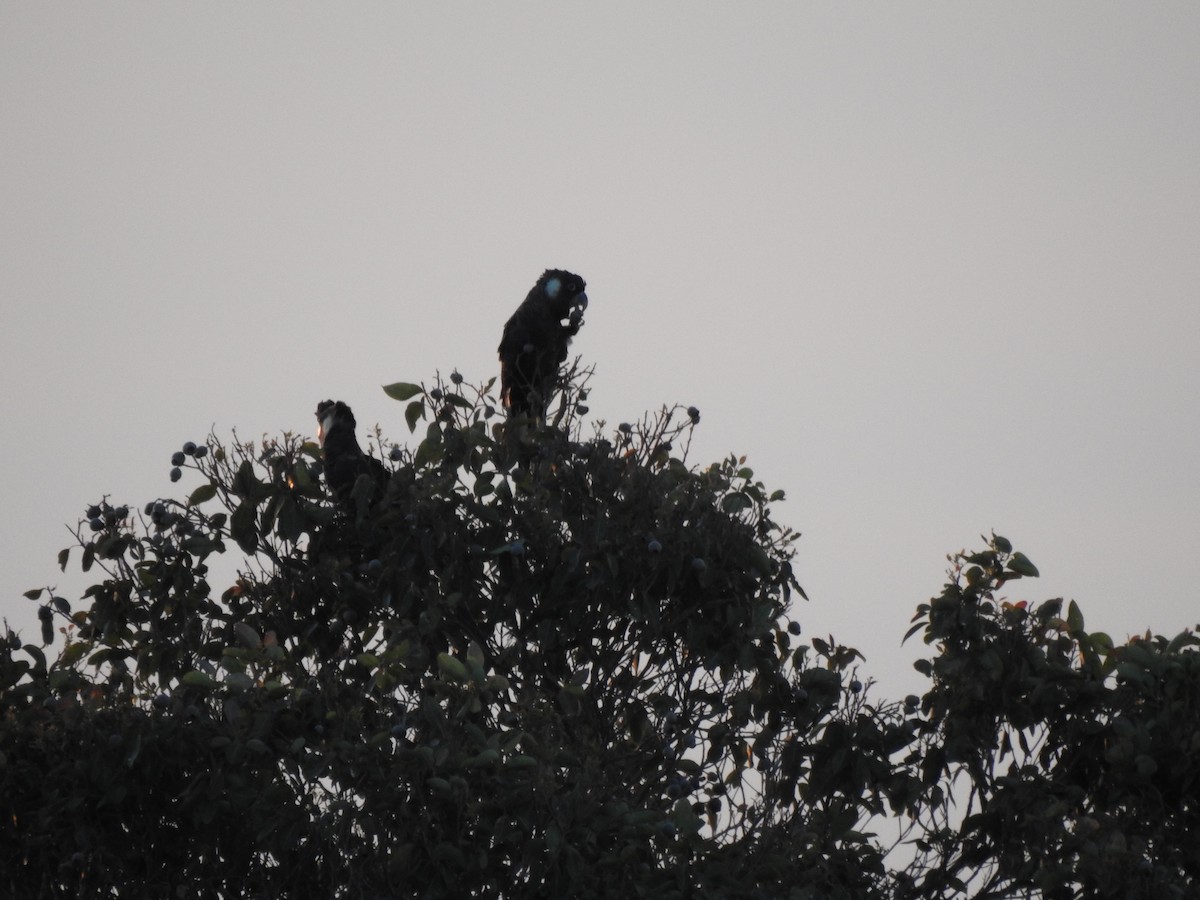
x,y
933,267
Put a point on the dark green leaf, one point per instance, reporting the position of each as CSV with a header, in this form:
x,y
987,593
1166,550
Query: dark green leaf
x,y
735,503
200,680
1022,566
202,494
413,413
452,668
72,653
1074,617
402,390
242,526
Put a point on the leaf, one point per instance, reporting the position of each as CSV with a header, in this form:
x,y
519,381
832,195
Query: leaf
x,y
200,680
63,555
242,526
300,476
1002,544
488,757
1181,640
451,667
1074,617
39,658
735,503
34,594
290,525
246,635
684,818
475,653
202,494
402,390
1022,566
413,413
430,450
71,653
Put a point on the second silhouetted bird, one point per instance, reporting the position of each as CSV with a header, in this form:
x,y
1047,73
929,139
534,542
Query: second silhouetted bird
x,y
344,459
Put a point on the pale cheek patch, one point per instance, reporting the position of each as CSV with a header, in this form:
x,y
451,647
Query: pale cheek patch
x,y
323,429
553,286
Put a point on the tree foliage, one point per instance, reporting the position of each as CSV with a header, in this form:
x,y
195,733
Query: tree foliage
x,y
539,664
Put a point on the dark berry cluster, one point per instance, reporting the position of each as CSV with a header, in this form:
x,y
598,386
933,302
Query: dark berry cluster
x,y
179,457
101,515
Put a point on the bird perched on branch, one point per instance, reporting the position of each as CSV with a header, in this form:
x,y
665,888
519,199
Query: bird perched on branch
x,y
535,342
344,460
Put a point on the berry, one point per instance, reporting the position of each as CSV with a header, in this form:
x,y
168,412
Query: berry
x,y
455,378
162,701
693,414
189,448
177,458
855,686
793,627
581,409
122,512
97,524
374,567
176,474
654,546
395,455
93,511
625,428
201,451
436,394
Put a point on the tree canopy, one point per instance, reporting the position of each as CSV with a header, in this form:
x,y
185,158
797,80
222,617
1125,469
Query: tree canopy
x,y
536,663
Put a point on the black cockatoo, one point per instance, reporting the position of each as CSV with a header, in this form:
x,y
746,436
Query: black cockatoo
x,y
535,342
344,460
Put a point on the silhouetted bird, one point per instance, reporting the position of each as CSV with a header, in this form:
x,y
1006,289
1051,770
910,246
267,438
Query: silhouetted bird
x,y
535,342
344,458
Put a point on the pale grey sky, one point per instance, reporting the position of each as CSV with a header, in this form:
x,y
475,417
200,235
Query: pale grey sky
x,y
934,267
